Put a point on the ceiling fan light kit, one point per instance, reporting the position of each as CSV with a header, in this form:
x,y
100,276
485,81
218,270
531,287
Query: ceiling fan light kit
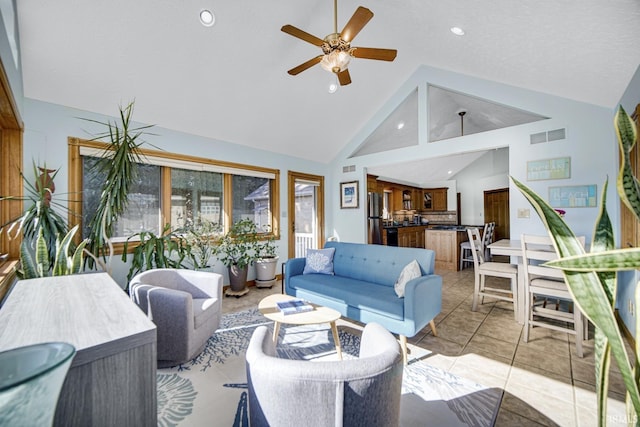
x,y
336,47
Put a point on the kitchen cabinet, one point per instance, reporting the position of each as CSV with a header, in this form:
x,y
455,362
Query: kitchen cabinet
x,y
411,237
434,199
446,245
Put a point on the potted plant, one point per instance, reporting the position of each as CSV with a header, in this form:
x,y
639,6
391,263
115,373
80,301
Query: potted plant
x,y
591,277
201,237
237,250
266,263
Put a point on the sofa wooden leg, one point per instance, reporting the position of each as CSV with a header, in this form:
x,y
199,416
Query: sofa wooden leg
x,y
403,345
433,328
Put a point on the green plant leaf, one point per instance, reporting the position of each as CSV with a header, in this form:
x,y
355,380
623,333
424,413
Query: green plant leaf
x,y
628,186
611,260
588,292
28,267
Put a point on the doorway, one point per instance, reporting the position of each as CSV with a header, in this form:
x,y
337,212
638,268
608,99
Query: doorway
x,y
306,212
496,209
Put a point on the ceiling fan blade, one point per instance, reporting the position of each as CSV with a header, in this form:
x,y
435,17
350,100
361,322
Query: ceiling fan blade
x,y
310,63
344,78
374,53
361,16
303,35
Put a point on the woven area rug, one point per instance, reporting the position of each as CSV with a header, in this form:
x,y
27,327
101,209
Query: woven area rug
x,y
211,389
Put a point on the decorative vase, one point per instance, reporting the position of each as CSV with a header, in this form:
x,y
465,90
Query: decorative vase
x,y
238,278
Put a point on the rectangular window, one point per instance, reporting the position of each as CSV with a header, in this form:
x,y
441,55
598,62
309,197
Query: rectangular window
x,y
252,200
176,189
195,195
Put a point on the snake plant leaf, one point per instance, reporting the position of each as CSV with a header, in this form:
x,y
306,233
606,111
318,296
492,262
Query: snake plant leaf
x,y
628,186
611,260
42,256
77,260
603,240
28,267
586,289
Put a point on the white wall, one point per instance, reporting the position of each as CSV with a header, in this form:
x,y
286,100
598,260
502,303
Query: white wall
x,y
590,143
489,172
47,127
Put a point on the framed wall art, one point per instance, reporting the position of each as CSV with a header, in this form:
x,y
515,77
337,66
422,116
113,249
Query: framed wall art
x,y
573,196
349,195
558,168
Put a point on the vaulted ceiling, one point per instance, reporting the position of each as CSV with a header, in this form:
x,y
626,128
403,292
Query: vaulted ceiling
x,y
229,81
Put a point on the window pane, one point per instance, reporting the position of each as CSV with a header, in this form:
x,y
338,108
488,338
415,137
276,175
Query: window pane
x,y
252,199
194,195
143,213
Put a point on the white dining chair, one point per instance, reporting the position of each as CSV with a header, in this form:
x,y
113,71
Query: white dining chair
x,y
465,247
548,301
483,268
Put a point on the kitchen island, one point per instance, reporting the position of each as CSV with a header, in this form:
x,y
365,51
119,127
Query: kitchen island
x,y
445,242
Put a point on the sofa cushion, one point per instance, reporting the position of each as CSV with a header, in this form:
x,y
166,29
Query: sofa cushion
x,y
319,261
409,272
362,295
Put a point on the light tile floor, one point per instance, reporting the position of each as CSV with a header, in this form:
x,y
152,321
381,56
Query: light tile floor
x,y
544,382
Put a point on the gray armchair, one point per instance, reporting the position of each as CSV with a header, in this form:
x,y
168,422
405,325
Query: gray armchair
x,y
356,392
186,307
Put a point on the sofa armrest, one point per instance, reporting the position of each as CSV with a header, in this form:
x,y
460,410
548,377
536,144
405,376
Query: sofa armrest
x,y
293,267
423,299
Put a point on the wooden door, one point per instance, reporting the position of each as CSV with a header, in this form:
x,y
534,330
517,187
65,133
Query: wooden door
x,y
496,209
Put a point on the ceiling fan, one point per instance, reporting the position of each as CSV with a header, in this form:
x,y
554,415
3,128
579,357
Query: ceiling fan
x,y
336,47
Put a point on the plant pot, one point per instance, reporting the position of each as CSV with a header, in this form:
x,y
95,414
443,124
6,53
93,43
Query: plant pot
x,y
238,278
266,268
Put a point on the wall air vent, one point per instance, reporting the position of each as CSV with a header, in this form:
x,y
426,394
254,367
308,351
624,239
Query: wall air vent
x,y
552,135
537,138
557,134
350,168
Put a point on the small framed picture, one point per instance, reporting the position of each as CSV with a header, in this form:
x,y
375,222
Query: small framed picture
x,y
349,195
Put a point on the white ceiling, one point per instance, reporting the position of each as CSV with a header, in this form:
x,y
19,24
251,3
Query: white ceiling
x,y
229,81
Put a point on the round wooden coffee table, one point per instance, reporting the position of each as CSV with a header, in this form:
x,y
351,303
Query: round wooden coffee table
x,y
319,314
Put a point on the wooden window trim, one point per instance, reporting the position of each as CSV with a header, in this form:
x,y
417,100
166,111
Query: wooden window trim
x,y
75,184
11,131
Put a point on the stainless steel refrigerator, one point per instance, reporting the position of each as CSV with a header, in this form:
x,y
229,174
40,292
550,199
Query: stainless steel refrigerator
x,y
374,218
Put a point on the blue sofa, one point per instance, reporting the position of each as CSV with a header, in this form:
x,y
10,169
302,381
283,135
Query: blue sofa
x,y
362,287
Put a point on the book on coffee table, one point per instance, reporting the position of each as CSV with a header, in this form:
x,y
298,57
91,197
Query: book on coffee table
x,y
293,306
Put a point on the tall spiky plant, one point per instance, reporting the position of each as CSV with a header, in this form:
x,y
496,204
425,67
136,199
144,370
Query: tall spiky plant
x,y
39,218
591,277
119,164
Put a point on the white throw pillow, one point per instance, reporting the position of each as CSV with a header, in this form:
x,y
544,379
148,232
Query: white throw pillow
x,y
319,261
409,272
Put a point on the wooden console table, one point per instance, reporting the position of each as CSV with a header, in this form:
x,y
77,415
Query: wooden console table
x,y
112,379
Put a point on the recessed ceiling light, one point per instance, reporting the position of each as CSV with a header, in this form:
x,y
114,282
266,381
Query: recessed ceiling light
x,y
333,87
400,125
449,172
457,31
207,18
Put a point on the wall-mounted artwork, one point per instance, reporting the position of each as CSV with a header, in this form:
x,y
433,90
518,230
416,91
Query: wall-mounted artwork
x,y
558,168
573,196
349,194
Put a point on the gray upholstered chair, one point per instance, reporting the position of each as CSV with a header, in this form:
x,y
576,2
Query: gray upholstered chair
x,y
186,307
357,392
